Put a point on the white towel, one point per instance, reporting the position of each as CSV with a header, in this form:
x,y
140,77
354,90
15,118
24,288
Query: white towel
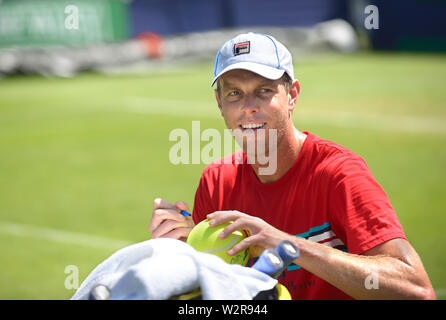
x,y
161,268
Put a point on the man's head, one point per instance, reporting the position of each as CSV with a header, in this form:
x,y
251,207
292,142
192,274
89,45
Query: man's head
x,y
256,88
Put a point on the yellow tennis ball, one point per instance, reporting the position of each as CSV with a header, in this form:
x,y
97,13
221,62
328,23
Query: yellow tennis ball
x,y
204,238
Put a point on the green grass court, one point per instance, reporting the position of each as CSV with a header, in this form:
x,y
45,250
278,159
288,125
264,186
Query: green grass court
x,y
82,159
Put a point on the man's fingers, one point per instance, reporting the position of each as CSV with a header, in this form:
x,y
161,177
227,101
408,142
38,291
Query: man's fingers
x,y
159,203
236,225
168,222
159,215
260,233
167,226
219,217
242,245
239,221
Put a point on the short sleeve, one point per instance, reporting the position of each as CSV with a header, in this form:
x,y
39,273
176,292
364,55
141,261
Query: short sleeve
x,y
361,211
202,201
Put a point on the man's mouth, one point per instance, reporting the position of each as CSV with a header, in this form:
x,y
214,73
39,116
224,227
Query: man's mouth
x,y
253,126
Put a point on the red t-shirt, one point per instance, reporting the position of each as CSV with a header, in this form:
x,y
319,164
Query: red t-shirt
x,y
328,196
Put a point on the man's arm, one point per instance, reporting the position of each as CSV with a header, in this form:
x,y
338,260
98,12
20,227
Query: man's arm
x,y
394,265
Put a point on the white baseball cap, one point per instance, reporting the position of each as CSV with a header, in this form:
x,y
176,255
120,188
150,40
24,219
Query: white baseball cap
x,y
256,52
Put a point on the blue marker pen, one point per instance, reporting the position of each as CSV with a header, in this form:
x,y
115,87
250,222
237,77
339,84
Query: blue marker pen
x,y
185,213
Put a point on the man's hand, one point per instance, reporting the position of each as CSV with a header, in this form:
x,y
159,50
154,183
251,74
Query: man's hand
x,y
261,234
168,222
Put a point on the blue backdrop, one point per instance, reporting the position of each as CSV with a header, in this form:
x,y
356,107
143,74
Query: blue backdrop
x,y
404,24
178,16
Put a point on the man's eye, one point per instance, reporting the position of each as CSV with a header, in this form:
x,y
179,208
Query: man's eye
x,y
265,90
233,93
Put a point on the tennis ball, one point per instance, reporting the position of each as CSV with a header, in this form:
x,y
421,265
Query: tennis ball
x,y
204,238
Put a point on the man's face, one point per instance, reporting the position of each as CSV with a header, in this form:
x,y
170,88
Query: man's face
x,y
250,103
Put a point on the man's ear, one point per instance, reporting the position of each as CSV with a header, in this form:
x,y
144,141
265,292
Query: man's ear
x,y
293,94
217,97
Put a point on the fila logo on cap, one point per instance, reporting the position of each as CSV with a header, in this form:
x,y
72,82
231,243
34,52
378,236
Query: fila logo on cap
x,y
241,48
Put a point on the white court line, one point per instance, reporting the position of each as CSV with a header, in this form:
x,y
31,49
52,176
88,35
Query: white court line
x,y
341,119
60,236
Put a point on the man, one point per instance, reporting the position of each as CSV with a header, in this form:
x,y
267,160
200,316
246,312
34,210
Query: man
x,y
321,196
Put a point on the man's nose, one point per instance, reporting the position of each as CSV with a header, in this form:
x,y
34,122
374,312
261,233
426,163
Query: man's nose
x,y
250,103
